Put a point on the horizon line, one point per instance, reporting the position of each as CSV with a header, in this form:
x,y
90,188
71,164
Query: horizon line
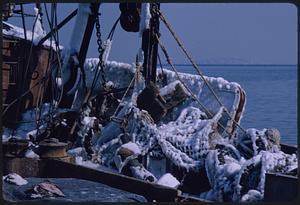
x,y
221,64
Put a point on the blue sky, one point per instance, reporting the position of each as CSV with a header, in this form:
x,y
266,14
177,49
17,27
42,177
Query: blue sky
x,y
218,33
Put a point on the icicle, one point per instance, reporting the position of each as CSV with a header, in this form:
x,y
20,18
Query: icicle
x,y
107,47
139,83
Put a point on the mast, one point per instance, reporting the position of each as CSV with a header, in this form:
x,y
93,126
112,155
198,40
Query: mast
x,y
88,33
150,46
79,43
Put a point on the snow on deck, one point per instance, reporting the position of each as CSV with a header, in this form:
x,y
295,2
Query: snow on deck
x,y
186,136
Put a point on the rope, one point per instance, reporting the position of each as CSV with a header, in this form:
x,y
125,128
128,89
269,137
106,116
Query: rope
x,y
160,64
112,31
23,22
42,85
101,51
100,63
122,99
186,87
21,96
54,89
113,117
196,67
49,56
27,65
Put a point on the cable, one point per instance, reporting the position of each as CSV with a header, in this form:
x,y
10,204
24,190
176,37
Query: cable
x,y
112,31
23,22
196,67
186,87
22,95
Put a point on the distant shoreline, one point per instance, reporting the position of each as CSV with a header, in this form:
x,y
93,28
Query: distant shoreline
x,y
254,65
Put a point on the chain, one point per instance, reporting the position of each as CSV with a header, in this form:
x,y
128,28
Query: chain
x,y
98,34
100,49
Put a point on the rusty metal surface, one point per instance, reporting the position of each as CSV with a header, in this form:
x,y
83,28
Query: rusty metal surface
x,y
50,152
52,148
16,80
14,148
25,167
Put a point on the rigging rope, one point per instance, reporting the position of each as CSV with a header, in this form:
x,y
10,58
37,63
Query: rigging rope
x,y
100,57
23,95
56,95
100,62
112,31
162,17
40,94
54,35
122,99
186,87
23,22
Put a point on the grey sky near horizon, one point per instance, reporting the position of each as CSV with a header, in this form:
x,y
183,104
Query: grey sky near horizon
x,y
214,33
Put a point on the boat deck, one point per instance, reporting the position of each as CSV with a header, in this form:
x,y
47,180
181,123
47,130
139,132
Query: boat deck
x,y
75,190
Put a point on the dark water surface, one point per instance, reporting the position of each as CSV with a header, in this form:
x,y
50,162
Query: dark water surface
x,y
271,94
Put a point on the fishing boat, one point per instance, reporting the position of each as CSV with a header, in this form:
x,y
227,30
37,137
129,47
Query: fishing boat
x,y
138,128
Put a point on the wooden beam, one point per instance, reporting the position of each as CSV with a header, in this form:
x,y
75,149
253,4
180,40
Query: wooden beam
x,y
150,46
151,191
88,33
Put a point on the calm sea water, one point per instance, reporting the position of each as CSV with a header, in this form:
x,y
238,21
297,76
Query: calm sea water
x,y
271,95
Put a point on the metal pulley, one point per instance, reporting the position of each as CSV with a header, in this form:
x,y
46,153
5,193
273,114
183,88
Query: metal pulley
x,y
130,16
7,10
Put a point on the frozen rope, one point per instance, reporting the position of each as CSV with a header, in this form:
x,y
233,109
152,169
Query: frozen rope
x,y
186,87
195,66
160,64
54,35
113,117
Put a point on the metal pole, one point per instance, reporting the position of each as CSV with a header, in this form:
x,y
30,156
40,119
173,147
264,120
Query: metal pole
x,y
150,46
80,46
88,33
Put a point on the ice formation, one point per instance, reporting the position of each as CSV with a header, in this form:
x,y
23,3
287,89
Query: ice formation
x,y
38,28
14,178
145,17
187,136
31,154
15,31
168,180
